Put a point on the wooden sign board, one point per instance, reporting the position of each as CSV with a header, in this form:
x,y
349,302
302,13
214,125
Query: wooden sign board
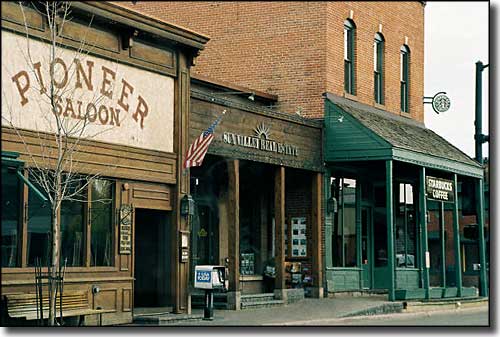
x,y
126,229
440,189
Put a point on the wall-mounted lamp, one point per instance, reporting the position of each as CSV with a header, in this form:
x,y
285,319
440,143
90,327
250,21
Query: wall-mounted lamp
x,y
187,205
96,289
332,205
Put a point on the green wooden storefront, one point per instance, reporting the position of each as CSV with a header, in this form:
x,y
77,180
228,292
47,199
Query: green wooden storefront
x,y
376,168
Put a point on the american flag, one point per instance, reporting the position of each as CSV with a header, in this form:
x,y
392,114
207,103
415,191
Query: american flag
x,y
198,150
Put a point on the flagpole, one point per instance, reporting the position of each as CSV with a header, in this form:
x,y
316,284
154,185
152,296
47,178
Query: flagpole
x,y
185,169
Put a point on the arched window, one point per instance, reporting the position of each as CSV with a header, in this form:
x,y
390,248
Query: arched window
x,y
378,68
405,77
349,37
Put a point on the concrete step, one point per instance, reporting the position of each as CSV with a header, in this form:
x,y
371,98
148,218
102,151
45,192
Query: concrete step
x,y
262,304
257,298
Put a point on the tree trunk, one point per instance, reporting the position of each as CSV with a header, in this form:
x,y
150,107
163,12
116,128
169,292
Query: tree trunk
x,y
54,263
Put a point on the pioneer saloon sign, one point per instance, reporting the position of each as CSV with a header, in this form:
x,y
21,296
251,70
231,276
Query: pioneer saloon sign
x,y
440,189
116,103
260,141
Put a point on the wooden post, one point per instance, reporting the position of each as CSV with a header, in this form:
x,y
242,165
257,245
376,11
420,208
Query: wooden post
x,y
482,246
279,216
317,266
233,170
180,274
328,222
423,226
443,244
359,233
390,228
456,240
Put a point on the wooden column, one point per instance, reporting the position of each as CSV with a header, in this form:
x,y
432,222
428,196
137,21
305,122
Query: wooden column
x,y
279,216
180,271
390,229
482,246
456,239
423,226
443,244
317,266
328,222
233,170
359,252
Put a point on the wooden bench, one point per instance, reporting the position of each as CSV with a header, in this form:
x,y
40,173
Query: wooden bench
x,y
74,303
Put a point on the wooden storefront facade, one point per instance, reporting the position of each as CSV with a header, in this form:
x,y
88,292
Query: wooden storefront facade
x,y
127,248
258,194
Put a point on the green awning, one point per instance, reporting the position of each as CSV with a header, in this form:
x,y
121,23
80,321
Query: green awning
x,y
358,132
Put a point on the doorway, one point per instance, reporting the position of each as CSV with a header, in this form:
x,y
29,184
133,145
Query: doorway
x,y
152,267
366,247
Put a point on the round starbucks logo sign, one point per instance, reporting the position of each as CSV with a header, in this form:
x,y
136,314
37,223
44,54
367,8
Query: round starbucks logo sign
x,y
441,103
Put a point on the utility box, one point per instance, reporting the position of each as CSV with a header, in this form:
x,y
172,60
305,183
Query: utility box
x,y
211,277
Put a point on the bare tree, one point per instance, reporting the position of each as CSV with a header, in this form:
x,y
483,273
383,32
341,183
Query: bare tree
x,y
56,86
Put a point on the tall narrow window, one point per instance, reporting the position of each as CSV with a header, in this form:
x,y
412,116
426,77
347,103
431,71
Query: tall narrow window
x,y
101,245
405,229
72,224
378,68
405,63
349,36
39,227
11,207
344,228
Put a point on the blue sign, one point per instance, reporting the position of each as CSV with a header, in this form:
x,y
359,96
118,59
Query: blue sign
x,y
203,276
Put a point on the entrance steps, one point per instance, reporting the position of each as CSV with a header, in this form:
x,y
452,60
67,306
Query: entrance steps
x,y
255,301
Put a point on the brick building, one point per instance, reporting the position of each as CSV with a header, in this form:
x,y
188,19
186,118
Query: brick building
x,y
294,50
358,67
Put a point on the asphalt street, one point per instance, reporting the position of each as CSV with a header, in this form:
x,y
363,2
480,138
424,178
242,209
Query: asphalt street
x,y
462,317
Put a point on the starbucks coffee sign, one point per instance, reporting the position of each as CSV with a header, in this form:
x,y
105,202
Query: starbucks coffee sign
x,y
440,189
260,141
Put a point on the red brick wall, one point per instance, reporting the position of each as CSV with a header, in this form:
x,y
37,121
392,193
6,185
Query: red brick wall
x,y
295,49
398,20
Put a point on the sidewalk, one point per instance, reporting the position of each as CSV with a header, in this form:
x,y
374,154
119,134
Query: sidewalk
x,y
305,310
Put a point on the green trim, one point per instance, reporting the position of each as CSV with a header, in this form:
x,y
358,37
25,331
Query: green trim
x,y
443,243
430,161
348,139
390,227
482,246
344,268
423,228
32,187
456,241
9,158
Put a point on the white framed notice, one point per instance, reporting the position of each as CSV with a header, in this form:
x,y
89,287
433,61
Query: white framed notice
x,y
298,237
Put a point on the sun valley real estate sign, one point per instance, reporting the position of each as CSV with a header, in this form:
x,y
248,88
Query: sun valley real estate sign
x,y
118,103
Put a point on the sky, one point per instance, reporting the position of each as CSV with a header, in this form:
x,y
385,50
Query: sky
x,y
456,37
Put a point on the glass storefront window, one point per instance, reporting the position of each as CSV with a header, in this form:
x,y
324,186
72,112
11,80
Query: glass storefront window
x,y
39,228
11,207
344,226
101,210
405,229
72,227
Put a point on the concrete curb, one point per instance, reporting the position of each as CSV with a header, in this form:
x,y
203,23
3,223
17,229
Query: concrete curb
x,y
444,305
165,319
339,321
386,308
